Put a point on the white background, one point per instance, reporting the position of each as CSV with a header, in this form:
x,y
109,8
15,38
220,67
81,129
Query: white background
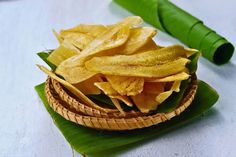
x,y
26,130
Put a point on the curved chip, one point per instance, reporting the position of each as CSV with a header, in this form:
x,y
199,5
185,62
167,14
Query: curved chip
x,y
79,40
126,85
146,101
74,90
176,77
163,96
88,87
138,38
91,30
63,52
111,38
108,90
98,65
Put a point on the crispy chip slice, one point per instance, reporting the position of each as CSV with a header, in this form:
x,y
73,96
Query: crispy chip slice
x,y
108,90
117,105
149,46
79,40
76,74
88,87
63,52
58,36
138,38
111,38
74,90
126,85
101,66
91,30
163,96
153,57
146,101
176,77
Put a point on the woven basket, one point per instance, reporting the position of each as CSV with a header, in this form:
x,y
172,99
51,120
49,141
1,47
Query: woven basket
x,y
62,102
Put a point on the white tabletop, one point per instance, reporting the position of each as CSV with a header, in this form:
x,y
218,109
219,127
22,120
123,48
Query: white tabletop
x,y
26,128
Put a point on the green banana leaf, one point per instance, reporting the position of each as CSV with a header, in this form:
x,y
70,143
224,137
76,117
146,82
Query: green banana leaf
x,y
44,55
104,143
169,18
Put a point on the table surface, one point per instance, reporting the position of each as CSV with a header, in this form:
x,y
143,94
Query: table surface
x,y
27,129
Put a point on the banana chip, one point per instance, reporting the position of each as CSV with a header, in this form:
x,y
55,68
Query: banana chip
x,y
146,101
163,96
122,61
138,37
176,77
79,40
73,89
113,37
108,68
88,87
91,30
108,90
63,52
126,85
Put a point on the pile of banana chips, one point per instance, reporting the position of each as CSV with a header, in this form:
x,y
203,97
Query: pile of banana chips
x,y
121,61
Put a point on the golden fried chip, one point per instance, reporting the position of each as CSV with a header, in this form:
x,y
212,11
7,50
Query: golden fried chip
x,y
59,38
79,40
163,96
150,45
76,74
117,105
111,38
138,38
88,87
74,90
176,77
145,102
91,30
126,85
63,52
108,90
153,57
107,68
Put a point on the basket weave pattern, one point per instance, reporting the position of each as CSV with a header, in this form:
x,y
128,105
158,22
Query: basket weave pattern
x,y
71,109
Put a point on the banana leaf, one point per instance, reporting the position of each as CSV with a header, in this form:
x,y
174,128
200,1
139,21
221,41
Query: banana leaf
x,y
169,18
44,55
104,143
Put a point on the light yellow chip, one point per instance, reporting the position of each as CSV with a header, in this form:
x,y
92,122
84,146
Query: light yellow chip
x,y
108,90
88,87
153,57
126,85
163,96
63,52
91,30
176,77
76,74
79,40
58,36
107,68
74,90
150,45
111,38
138,38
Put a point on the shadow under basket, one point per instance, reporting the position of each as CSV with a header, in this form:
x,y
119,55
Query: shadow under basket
x,y
69,107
